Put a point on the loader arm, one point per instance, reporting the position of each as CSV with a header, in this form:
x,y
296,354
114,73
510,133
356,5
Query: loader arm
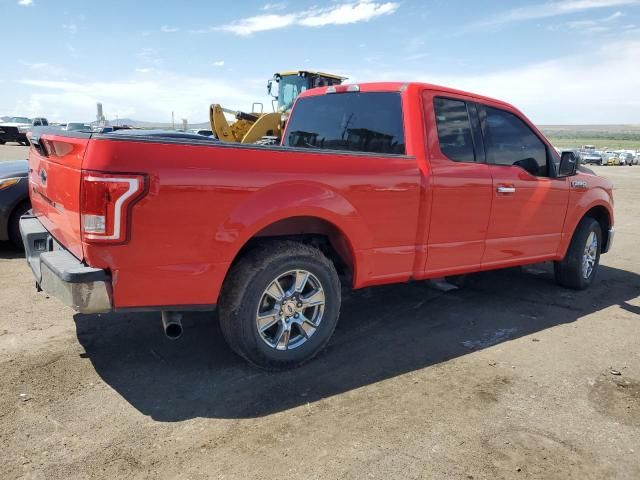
x,y
267,125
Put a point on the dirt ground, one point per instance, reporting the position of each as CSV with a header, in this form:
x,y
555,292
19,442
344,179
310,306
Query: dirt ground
x,y
508,377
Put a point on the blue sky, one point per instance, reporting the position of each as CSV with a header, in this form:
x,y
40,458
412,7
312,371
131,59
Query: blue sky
x,y
569,61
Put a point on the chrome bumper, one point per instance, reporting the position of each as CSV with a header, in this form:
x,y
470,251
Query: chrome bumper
x,y
60,274
607,245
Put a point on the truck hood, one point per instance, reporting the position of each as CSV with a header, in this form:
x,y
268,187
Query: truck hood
x,y
14,168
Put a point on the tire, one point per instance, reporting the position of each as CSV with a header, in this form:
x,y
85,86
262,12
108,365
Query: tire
x,y
244,296
573,271
14,225
2,142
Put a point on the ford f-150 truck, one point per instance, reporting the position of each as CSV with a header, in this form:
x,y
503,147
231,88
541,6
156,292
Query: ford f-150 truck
x,y
373,184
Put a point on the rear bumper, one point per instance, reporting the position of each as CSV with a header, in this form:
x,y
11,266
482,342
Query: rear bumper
x,y
60,274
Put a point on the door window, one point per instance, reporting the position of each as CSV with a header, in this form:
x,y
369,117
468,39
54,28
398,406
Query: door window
x,y
454,129
510,141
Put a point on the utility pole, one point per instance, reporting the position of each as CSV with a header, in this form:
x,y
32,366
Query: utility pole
x,y
173,122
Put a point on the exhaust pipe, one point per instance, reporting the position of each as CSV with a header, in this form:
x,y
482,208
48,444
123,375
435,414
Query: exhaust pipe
x,y
172,325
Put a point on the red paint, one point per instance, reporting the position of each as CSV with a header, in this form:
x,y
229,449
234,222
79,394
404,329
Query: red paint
x,y
395,218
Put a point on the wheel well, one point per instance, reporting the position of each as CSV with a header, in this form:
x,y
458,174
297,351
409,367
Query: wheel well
x,y
601,214
312,231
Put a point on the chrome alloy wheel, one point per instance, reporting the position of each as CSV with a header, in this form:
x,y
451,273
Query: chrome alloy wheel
x,y
590,255
290,310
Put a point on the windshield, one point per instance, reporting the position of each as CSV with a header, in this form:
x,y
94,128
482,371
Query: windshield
x,y
19,120
289,88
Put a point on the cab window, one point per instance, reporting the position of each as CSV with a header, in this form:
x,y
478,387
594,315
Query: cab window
x,y
454,129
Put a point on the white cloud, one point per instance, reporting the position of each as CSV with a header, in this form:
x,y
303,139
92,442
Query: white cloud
x,y
70,27
346,13
25,3
275,6
149,56
143,70
562,90
142,98
45,69
594,23
259,23
167,29
219,63
554,9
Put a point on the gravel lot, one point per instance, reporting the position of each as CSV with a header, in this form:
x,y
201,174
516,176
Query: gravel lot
x,y
509,377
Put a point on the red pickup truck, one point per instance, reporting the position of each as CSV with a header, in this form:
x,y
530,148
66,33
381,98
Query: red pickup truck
x,y
373,184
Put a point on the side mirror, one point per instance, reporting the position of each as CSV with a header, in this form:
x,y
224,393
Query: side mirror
x,y
270,89
568,164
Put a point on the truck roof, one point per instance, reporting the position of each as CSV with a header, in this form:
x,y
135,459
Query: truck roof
x,y
400,86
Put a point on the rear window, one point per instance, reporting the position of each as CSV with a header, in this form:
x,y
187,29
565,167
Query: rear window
x,y
358,122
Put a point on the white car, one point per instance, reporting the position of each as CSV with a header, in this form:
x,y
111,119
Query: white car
x,y
626,158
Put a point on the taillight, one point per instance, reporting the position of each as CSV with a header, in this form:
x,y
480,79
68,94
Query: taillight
x,y
106,201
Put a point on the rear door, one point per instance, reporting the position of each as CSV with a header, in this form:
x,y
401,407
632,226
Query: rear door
x,y
461,184
55,162
529,203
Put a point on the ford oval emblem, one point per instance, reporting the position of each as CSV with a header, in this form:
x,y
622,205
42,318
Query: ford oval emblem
x,y
43,176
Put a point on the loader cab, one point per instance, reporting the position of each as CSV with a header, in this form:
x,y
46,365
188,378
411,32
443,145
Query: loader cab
x,y
286,86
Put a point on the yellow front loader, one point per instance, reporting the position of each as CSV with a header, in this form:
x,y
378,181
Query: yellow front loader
x,y
258,127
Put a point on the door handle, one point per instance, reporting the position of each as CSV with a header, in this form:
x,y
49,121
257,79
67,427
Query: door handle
x,y
503,189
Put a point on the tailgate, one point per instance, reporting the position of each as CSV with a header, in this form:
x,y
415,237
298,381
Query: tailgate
x,y
55,163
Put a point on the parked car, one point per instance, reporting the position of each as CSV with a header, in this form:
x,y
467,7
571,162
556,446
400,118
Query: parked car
x,y
14,199
16,129
77,127
591,157
199,131
626,158
355,196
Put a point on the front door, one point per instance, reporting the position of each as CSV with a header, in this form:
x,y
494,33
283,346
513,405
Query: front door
x,y
529,204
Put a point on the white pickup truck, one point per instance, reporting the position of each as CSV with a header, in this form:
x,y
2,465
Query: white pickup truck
x,y
15,129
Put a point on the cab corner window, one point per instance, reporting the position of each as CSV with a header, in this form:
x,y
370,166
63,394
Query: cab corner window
x,y
509,141
454,129
359,122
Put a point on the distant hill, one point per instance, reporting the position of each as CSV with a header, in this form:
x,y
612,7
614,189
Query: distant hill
x,y
602,136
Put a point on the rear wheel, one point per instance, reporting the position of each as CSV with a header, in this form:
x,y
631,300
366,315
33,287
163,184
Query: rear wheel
x,y
280,304
580,265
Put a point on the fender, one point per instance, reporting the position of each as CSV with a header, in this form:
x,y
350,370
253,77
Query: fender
x,y
285,200
580,202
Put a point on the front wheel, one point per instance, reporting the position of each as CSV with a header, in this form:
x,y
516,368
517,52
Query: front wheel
x,y
579,266
280,304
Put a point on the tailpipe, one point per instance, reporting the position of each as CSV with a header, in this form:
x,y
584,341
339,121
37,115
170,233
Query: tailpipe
x,y
172,325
